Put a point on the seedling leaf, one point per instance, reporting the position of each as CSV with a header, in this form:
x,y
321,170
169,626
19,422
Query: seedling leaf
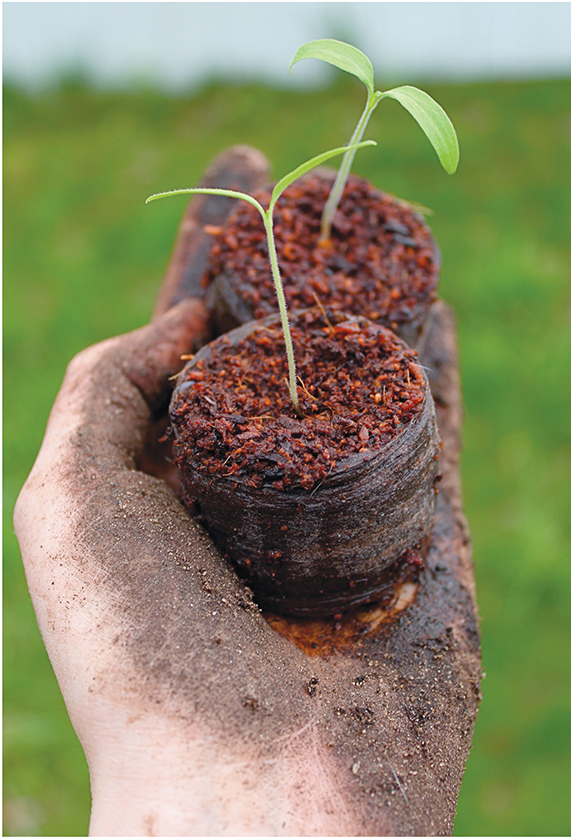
x,y
208,191
430,116
433,120
341,55
288,179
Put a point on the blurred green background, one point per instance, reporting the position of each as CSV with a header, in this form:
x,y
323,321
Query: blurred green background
x,y
83,259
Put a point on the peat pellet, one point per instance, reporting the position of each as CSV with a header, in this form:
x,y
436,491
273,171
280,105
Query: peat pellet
x,y
314,512
381,261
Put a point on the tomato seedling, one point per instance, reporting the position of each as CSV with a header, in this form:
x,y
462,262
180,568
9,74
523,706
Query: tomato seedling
x,y
427,112
267,218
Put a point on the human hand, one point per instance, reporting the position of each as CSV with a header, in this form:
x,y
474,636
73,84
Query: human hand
x,y
198,714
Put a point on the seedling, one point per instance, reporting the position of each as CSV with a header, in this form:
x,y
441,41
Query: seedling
x,y
427,112
267,218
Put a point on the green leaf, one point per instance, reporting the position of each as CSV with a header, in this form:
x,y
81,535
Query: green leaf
x,y
433,120
310,164
209,191
341,55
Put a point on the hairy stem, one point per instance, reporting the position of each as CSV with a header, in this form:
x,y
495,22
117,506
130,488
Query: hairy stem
x,y
292,377
334,198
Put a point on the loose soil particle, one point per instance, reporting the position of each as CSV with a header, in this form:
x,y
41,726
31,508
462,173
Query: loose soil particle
x,y
381,262
360,386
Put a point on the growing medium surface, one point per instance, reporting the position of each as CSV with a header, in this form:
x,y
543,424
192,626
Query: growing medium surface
x,y
232,414
381,261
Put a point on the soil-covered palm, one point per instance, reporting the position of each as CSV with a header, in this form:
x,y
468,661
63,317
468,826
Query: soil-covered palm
x,y
151,632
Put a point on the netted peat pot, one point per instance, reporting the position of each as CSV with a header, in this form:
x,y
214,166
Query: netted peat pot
x,y
381,261
314,512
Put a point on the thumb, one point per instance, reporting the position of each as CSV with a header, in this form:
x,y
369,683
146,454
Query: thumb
x,y
113,390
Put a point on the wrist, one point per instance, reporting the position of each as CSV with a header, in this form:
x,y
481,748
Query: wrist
x,y
167,778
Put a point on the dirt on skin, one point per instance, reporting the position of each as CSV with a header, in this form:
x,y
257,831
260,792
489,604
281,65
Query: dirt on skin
x,y
391,713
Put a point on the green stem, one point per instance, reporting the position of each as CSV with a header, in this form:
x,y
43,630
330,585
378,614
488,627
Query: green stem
x,y
292,377
332,202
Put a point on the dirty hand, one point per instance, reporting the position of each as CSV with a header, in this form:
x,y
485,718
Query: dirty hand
x,y
196,716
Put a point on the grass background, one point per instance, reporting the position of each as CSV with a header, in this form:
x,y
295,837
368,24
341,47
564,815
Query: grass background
x,y
83,258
